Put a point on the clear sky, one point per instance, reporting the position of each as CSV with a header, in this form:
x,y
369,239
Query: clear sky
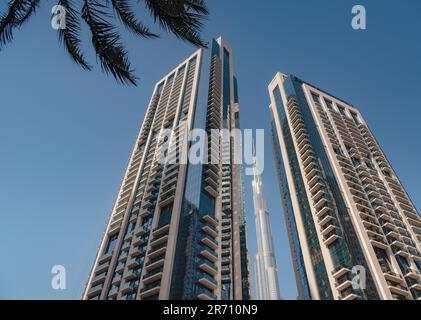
x,y
66,134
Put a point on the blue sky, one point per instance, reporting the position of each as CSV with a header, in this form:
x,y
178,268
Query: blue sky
x,y
66,134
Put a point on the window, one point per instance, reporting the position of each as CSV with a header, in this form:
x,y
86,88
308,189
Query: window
x,y
387,174
338,150
355,118
111,244
316,97
131,227
342,110
207,205
165,216
329,104
160,87
355,161
181,70
369,165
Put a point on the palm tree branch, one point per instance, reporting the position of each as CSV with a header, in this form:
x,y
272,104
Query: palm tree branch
x,y
106,42
127,16
69,36
18,13
181,17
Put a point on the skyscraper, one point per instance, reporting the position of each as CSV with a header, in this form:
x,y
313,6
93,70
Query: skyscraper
x,y
353,229
267,287
177,229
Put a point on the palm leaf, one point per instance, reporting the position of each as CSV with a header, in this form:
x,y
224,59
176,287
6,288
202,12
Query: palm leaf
x,y
181,17
18,13
69,36
106,42
126,15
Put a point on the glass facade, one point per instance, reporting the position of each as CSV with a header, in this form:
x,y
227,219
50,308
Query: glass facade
x,y
297,256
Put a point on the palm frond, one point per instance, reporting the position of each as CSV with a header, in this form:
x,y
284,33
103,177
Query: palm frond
x,y
69,36
18,13
106,42
181,17
128,17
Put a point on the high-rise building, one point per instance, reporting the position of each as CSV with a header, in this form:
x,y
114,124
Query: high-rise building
x,y
177,229
353,229
267,287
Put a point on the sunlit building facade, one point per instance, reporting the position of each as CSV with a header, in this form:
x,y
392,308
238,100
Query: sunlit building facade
x,y
354,232
177,229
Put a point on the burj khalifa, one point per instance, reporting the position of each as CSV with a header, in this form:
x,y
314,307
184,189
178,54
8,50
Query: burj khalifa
x,y
267,287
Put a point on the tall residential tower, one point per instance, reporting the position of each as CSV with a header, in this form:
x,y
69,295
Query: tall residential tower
x,y
267,287
354,231
177,229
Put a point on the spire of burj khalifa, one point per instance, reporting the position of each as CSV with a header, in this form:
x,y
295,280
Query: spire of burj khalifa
x,y
267,287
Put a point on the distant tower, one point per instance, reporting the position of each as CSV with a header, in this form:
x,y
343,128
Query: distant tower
x,y
264,262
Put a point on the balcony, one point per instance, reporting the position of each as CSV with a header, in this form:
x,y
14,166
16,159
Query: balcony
x,y
340,271
153,276
392,276
116,279
306,154
400,251
160,240
161,230
343,282
131,274
210,242
329,229
138,251
140,231
348,295
398,289
128,287
397,243
135,263
308,161
208,267
321,203
312,174
414,285
211,220
411,214
93,291
208,281
156,262
158,250
140,240
125,246
330,239
102,267
205,294
99,279
379,242
212,191
119,268
323,211
212,231
105,257
150,289
210,254
113,293
325,220
393,234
